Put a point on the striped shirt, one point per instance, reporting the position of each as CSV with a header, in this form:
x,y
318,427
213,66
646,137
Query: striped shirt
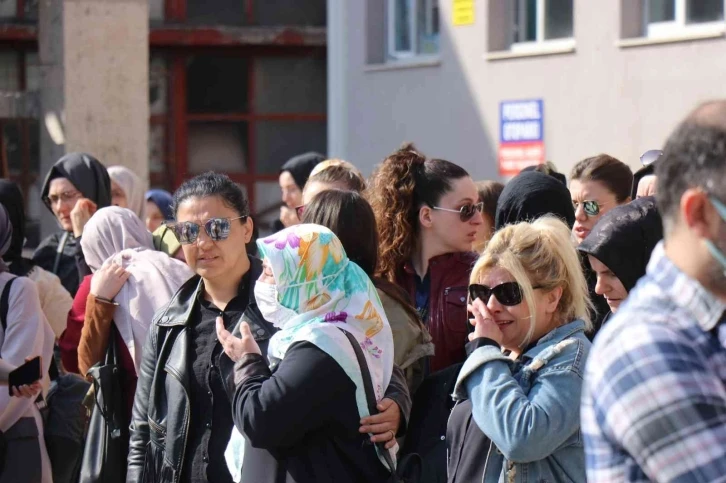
x,y
654,403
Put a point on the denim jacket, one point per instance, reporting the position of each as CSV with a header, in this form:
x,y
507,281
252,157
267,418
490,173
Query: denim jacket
x,y
530,408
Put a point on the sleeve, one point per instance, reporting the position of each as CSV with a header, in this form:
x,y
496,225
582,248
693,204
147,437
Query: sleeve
x,y
70,339
525,427
55,300
397,391
95,333
277,410
24,339
654,395
139,429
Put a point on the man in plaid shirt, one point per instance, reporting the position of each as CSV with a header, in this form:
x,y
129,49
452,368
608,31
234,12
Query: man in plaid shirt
x,y
654,404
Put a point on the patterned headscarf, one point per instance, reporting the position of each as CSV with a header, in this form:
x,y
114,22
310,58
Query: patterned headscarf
x,y
315,279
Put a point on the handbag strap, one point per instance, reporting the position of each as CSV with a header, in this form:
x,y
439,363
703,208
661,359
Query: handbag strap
x,y
5,305
370,396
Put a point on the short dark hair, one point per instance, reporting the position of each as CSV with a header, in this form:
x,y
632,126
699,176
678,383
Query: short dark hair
x,y
489,192
613,173
213,184
694,156
351,218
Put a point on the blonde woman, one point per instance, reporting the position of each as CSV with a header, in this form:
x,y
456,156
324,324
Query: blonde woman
x,y
522,381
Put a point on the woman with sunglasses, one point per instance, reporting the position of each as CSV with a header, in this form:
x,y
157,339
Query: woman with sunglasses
x,y
518,394
76,186
428,214
182,418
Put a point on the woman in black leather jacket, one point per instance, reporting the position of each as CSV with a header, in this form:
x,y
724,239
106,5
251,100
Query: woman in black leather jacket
x,y
182,417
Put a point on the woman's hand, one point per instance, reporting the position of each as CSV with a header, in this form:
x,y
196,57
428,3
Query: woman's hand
x,y
234,347
80,214
483,322
29,391
384,425
108,281
288,216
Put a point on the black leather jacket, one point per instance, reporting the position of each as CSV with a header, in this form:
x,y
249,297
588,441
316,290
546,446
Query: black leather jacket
x,y
160,417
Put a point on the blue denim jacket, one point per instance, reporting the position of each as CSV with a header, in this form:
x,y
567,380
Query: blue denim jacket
x,y
530,408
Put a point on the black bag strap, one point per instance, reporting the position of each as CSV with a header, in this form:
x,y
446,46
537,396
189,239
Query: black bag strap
x,y
5,304
59,251
370,396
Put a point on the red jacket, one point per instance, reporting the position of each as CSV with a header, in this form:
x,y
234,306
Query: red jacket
x,y
448,318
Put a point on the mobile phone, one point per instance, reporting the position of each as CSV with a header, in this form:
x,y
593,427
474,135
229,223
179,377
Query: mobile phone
x,y
26,374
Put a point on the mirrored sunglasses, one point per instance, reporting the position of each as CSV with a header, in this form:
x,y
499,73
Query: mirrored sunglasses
x,y
508,293
651,156
218,229
590,207
466,212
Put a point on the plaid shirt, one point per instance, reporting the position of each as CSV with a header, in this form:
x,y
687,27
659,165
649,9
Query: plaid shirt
x,y
654,403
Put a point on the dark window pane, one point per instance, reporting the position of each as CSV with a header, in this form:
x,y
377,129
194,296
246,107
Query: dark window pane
x,y
31,9
9,70
8,8
34,141
217,84
558,19
428,26
290,12
158,85
278,141
32,71
402,24
698,11
530,21
290,85
661,11
156,10
13,147
213,12
220,146
157,148
267,205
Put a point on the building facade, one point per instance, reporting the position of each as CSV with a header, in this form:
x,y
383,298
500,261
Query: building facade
x,y
614,76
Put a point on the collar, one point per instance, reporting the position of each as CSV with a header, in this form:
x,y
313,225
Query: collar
x,y
555,337
466,258
703,306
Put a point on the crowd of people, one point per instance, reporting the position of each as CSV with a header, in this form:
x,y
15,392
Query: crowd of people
x,y
416,326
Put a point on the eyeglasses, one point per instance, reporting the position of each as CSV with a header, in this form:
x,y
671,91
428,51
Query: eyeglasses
x,y
300,210
508,293
651,156
218,229
466,212
64,197
590,207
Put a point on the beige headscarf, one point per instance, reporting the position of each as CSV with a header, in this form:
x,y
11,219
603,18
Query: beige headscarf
x,y
117,235
133,186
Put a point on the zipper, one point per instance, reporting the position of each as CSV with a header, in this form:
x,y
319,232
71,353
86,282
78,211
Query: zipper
x,y
175,374
157,427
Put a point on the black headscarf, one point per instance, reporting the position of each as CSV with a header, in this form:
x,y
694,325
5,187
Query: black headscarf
x,y
531,195
86,173
301,165
624,238
12,199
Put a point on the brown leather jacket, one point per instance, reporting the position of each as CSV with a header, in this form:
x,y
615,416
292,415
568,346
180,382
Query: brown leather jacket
x,y
448,319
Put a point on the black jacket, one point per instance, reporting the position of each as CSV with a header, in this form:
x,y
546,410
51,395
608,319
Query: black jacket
x,y
159,421
301,421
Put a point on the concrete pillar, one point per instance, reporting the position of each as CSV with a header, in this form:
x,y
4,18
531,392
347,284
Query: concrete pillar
x,y
94,57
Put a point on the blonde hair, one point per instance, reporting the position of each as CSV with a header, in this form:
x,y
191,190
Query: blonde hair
x,y
540,254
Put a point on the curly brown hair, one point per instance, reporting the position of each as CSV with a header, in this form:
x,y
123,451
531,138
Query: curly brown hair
x,y
398,188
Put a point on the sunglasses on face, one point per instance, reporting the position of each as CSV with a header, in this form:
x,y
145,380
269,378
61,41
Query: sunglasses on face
x,y
466,212
650,157
508,293
218,229
590,207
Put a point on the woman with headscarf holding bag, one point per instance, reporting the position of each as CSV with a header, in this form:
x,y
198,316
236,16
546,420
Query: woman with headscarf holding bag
x,y
26,335
54,298
127,189
301,417
76,186
131,282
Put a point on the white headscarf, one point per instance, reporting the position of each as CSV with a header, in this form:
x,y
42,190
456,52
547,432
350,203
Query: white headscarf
x,y
117,235
133,186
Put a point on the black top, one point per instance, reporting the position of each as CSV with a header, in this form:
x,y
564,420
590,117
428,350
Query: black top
x,y
211,423
301,421
67,271
531,195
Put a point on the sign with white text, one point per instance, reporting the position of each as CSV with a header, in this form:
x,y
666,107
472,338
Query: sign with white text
x,y
521,135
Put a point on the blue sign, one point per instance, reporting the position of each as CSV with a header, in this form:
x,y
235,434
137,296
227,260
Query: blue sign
x,y
521,121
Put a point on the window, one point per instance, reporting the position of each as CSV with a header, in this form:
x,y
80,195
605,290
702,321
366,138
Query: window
x,y
664,18
413,28
538,21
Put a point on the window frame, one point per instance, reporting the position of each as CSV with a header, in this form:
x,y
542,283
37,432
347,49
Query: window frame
x,y
680,25
413,29
540,42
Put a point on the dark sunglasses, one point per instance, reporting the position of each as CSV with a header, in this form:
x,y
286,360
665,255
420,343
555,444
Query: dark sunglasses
x,y
591,208
650,157
218,229
466,212
508,293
